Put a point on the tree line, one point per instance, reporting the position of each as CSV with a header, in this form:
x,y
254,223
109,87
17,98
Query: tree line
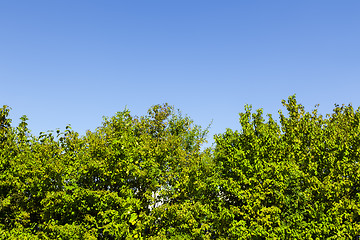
x,y
296,177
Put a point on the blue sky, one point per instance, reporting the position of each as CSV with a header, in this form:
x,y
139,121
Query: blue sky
x,y
72,62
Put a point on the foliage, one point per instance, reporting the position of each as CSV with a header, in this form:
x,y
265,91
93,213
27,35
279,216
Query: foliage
x,y
147,178
297,179
115,183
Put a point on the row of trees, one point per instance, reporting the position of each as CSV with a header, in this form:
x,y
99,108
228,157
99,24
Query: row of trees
x,y
147,178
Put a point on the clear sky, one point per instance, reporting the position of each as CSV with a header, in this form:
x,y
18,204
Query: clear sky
x,y
72,62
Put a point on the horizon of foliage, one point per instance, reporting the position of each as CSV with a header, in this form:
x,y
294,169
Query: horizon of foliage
x,y
148,178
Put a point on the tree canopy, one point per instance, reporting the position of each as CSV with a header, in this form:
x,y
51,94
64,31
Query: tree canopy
x,y
148,178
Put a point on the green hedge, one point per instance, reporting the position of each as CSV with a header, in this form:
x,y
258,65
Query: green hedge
x,y
147,178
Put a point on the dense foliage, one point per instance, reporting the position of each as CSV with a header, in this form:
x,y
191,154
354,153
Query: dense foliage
x,y
147,178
